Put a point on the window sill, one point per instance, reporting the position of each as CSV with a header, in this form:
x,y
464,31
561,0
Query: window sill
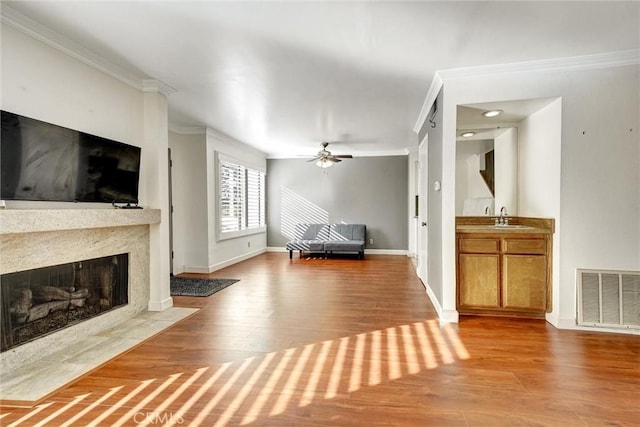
x,y
242,233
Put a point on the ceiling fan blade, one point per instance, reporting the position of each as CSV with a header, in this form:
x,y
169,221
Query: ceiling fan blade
x,y
343,156
333,159
315,159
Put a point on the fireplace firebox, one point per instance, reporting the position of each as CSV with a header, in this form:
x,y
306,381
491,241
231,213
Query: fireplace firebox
x,y
43,300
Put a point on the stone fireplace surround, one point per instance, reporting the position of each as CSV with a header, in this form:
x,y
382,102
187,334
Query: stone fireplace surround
x,y
33,238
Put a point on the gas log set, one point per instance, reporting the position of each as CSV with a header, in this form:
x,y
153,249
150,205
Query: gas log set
x,y
40,301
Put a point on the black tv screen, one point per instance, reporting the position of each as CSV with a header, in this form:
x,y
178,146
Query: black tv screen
x,y
42,161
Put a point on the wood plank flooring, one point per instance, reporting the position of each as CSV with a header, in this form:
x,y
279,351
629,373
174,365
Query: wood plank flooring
x,y
346,342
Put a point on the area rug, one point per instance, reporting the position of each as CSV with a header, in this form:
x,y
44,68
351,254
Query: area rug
x,y
196,287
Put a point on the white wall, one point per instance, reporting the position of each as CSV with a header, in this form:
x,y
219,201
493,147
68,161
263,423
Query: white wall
x,y
196,245
189,189
539,162
226,252
598,223
67,92
41,82
600,194
539,177
506,171
155,163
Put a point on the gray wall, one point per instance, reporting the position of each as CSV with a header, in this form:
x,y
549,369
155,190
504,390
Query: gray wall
x,y
362,190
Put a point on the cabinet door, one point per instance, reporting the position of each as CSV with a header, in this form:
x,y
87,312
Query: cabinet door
x,y
479,280
524,282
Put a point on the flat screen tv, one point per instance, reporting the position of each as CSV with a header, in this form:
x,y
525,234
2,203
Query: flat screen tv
x,y
46,162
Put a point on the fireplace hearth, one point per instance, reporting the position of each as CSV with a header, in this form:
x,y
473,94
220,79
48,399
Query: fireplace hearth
x,y
41,301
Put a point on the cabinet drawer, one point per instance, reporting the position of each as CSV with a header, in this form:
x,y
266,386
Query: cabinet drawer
x,y
525,246
480,245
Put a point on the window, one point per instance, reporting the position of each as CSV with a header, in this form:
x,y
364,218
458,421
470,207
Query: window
x,y
241,199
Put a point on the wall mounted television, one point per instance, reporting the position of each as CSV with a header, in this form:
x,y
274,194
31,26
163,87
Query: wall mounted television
x,y
41,161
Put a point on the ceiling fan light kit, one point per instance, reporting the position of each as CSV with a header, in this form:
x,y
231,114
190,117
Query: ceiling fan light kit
x,y
324,158
324,163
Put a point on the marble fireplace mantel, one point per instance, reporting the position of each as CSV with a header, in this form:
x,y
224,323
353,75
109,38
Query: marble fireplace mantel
x,y
34,238
39,220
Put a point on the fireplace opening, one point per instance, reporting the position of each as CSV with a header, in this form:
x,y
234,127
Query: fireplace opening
x,y
43,300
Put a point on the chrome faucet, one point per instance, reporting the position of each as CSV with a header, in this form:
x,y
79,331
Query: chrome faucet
x,y
502,219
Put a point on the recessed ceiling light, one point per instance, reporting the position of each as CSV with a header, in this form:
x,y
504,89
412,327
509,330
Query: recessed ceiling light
x,y
468,134
492,113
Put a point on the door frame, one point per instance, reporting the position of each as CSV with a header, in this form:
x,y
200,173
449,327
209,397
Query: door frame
x,y
422,233
169,168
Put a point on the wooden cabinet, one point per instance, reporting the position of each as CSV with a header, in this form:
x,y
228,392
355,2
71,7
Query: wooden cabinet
x,y
478,279
503,273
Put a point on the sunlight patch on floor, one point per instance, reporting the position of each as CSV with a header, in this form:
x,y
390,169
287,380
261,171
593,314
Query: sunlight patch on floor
x,y
269,385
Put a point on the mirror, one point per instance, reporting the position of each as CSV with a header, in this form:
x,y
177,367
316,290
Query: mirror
x,y
487,155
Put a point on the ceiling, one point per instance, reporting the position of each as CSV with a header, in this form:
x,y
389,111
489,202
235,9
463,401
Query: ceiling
x,y
469,117
285,76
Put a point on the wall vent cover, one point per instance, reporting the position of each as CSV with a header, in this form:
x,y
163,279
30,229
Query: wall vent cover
x,y
609,298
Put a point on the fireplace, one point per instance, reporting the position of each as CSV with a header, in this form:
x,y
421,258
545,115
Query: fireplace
x,y
44,300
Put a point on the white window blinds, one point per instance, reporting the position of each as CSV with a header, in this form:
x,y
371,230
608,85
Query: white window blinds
x,y
232,191
255,198
241,199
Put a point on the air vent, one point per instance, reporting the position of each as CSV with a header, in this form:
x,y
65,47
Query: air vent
x,y
609,299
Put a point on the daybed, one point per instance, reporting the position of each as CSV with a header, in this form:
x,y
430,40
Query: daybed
x,y
328,238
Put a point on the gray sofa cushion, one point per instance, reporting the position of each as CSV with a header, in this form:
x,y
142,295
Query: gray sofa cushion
x,y
306,245
311,232
309,237
346,238
342,232
344,246
328,238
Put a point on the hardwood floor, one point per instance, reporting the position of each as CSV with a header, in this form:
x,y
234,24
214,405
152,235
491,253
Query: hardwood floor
x,y
344,342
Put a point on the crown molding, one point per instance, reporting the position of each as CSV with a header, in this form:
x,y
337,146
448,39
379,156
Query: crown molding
x,y
574,63
153,85
216,134
432,94
213,133
389,153
55,40
188,130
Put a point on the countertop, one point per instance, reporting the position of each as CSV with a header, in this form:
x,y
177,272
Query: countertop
x,y
512,229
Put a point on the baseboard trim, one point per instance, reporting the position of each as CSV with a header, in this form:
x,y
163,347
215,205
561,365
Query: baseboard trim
x,y
194,269
235,260
223,264
445,316
366,251
386,252
276,249
449,316
160,305
570,324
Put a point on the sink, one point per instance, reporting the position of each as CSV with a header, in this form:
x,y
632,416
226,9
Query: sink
x,y
481,227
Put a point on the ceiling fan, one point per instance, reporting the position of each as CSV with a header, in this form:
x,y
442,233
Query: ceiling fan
x,y
325,159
